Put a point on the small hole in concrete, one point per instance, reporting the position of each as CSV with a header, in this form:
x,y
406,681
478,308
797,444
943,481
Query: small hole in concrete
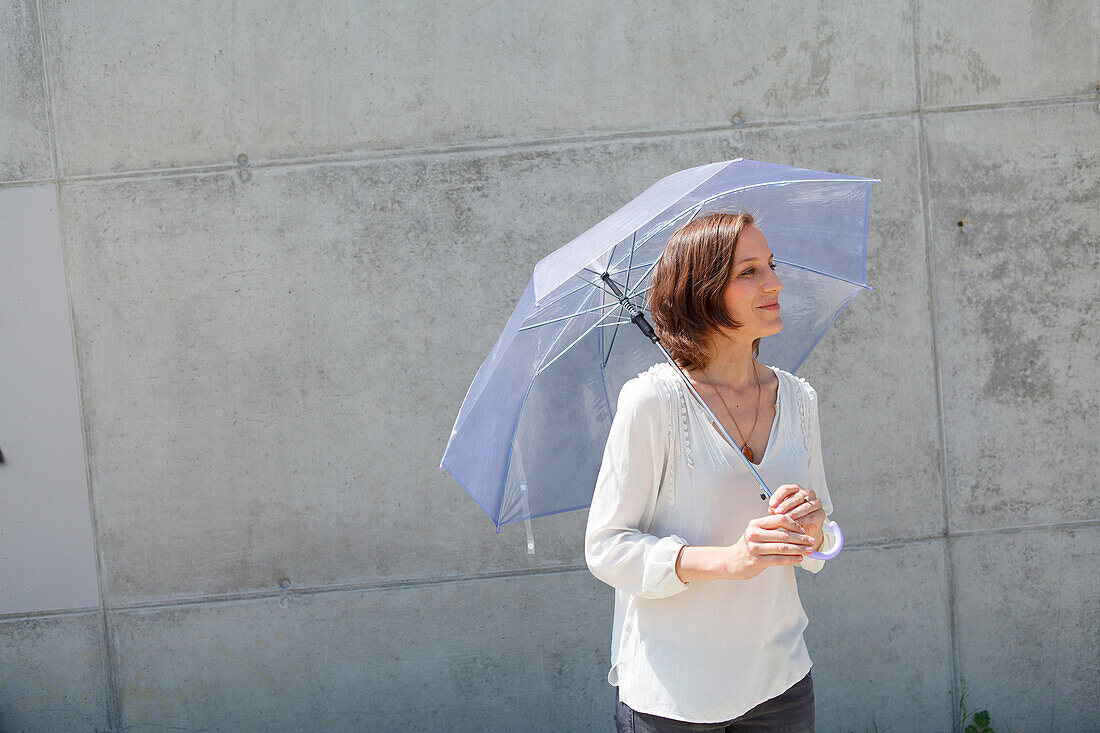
x,y
245,176
242,159
960,223
738,120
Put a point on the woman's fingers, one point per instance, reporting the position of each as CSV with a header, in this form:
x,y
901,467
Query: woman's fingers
x,y
781,494
781,548
787,505
791,496
778,542
765,561
811,512
777,521
778,535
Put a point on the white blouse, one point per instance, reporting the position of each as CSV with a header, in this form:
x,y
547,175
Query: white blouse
x,y
710,651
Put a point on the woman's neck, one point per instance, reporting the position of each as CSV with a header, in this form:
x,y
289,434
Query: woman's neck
x,y
732,365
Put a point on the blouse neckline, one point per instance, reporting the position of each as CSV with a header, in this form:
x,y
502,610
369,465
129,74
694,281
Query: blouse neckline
x,y
713,433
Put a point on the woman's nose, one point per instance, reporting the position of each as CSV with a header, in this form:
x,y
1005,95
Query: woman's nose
x,y
774,283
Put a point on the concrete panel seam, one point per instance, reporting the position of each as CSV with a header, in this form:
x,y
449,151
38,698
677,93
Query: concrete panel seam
x,y
114,700
1022,528
924,176
109,661
890,544
488,146
1009,106
383,585
55,613
26,183
48,93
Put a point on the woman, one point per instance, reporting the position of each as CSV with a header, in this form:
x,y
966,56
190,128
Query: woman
x,y
708,624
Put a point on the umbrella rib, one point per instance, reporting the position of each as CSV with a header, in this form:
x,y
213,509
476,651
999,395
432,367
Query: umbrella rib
x,y
564,328
638,266
610,344
694,211
563,296
563,352
822,273
561,332
566,318
643,277
611,255
598,285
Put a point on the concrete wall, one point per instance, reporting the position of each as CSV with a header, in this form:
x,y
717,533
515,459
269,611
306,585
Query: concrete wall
x,y
291,233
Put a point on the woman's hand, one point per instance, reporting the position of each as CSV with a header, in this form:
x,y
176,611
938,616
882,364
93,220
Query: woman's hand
x,y
767,542
801,505
770,541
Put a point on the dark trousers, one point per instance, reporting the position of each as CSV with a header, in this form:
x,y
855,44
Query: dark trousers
x,y
790,712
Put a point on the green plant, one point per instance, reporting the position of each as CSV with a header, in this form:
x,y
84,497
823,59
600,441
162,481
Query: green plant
x,y
980,721
980,724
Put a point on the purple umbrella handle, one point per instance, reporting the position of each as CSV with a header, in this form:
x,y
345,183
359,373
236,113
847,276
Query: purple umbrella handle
x,y
835,549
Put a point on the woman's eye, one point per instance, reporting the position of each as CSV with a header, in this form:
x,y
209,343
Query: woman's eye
x,y
749,272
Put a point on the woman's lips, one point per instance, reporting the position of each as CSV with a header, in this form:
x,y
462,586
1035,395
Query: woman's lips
x,y
771,307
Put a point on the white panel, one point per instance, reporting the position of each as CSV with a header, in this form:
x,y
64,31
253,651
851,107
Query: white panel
x,y
46,556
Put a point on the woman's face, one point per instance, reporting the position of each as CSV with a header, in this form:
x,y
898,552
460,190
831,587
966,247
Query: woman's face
x,y
752,293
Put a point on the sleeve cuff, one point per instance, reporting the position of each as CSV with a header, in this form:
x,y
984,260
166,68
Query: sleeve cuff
x,y
665,554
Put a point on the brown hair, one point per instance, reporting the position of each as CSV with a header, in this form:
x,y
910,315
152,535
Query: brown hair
x,y
688,284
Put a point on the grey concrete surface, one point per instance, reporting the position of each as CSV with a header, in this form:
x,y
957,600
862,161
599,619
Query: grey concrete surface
x,y
25,142
887,670
296,390
1029,614
270,359
998,51
52,674
519,653
194,84
1018,296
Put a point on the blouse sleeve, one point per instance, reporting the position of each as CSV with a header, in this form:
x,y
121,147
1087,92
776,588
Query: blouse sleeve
x,y
817,476
618,552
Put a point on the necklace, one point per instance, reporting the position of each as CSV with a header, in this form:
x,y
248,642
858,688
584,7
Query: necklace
x,y
745,450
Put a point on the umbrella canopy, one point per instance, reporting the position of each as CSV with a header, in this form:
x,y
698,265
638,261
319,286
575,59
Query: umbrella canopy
x,y
529,437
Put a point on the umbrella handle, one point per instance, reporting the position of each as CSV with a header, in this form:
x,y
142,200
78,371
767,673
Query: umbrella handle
x,y
835,549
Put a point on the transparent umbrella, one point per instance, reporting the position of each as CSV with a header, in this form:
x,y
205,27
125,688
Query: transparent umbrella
x,y
529,436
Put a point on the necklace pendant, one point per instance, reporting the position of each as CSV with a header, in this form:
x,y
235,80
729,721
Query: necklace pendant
x,y
747,451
